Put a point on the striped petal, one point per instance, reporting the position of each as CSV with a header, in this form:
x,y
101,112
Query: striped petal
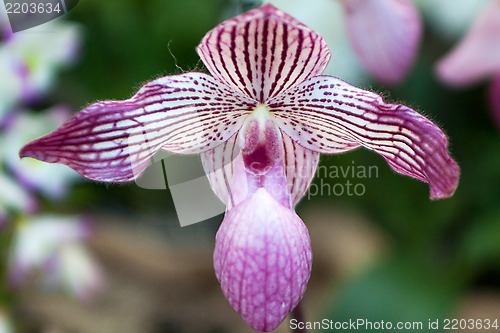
x,y
263,52
219,165
477,56
113,141
385,34
228,178
327,115
300,167
263,260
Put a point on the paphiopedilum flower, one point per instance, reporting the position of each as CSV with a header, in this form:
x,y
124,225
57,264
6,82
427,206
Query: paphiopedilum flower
x,y
477,56
259,122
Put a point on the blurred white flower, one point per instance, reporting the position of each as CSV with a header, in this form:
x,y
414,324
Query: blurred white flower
x,y
5,324
50,180
78,273
46,250
10,84
14,197
3,217
50,248
38,239
30,59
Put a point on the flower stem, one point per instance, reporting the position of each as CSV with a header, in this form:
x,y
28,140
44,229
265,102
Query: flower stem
x,y
298,315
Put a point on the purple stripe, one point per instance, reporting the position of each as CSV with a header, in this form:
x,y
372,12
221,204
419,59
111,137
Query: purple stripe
x,y
76,144
282,58
259,33
414,146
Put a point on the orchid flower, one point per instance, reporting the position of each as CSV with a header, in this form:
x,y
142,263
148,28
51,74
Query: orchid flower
x,y
260,123
30,59
385,34
477,56
53,245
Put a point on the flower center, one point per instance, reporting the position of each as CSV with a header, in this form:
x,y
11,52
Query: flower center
x,y
260,141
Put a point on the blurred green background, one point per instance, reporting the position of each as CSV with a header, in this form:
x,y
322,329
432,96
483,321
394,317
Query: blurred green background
x,y
403,257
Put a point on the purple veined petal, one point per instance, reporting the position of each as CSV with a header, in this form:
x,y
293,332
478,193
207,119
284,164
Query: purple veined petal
x,y
385,34
219,165
477,56
295,162
274,182
300,166
263,52
263,260
260,142
328,115
113,141
494,96
233,183
78,273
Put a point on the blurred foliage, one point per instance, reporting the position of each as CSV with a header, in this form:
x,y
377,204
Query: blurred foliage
x,y
395,291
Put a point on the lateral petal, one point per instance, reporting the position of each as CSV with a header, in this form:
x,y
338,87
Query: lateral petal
x,y
327,115
300,167
219,165
112,141
477,56
263,52
385,34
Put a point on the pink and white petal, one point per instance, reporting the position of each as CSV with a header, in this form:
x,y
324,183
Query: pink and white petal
x,y
494,95
328,115
263,260
300,167
385,34
229,180
113,141
219,165
263,52
78,272
477,56
13,196
37,240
